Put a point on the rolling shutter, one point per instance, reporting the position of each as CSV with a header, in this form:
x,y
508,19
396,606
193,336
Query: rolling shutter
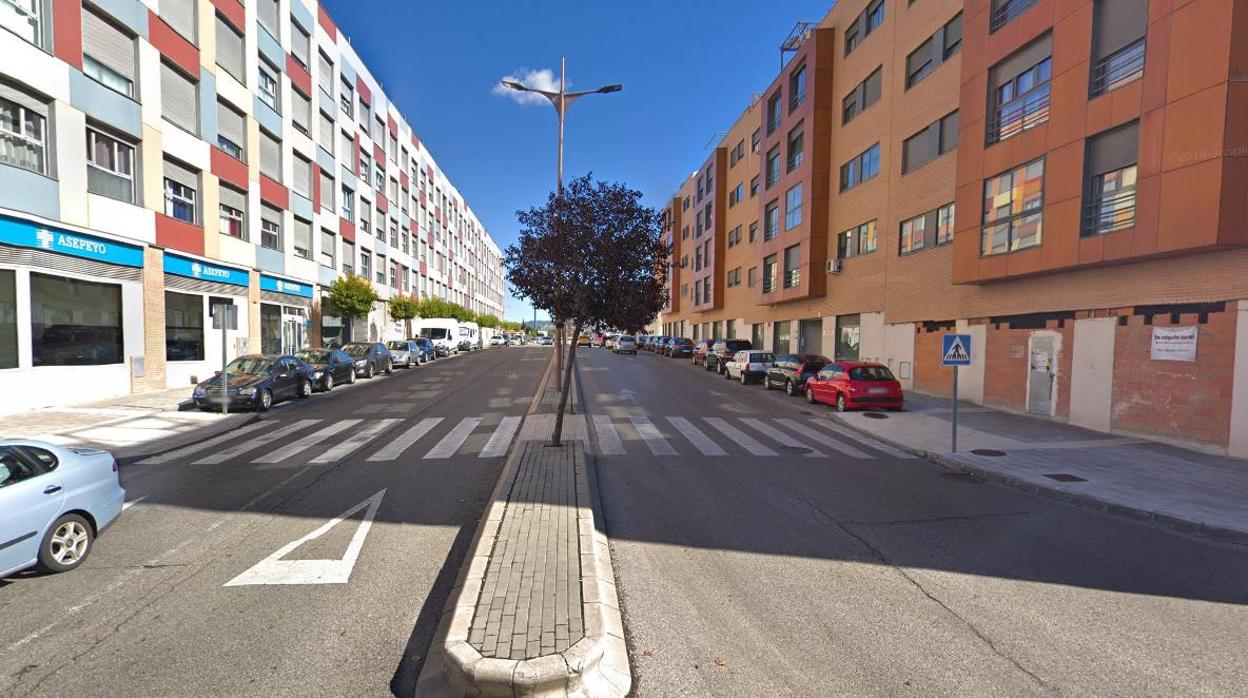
x,y
270,156
1020,61
110,46
179,14
871,88
232,125
1116,24
22,99
303,177
231,197
268,16
229,49
181,174
1114,150
179,99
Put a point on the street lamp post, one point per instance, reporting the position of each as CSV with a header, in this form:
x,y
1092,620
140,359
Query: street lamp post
x,y
561,100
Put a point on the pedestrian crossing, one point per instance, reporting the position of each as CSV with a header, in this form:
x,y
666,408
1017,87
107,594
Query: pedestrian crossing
x,y
308,441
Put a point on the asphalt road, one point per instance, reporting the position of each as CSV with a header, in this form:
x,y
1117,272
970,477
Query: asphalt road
x,y
861,572
224,577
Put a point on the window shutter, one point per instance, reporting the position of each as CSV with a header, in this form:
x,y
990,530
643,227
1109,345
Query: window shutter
x,y
1114,150
179,99
1117,23
271,215
230,197
229,49
916,60
303,235
268,16
107,44
1021,60
181,174
326,72
871,88
302,113
270,156
23,99
232,125
303,176
953,35
179,14
301,44
326,135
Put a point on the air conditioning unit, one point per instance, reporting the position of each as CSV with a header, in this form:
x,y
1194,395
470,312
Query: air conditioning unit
x,y
834,266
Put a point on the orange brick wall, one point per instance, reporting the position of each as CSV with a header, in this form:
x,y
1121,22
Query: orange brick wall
x,y
1007,365
929,375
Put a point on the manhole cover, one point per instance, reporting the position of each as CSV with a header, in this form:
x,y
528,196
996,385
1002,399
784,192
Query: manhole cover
x,y
1064,477
991,452
875,415
795,449
968,478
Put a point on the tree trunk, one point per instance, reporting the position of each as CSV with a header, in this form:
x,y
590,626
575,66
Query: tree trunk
x,y
567,385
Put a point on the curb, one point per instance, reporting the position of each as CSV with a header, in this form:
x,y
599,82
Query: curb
x,y
1222,534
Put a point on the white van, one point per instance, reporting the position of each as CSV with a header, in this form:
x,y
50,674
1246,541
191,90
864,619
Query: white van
x,y
443,332
469,336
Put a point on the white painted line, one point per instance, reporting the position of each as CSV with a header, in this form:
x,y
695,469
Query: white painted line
x,y
864,440
652,436
821,438
274,570
781,437
205,444
307,441
609,443
132,502
253,444
394,449
454,439
501,438
696,437
355,441
742,439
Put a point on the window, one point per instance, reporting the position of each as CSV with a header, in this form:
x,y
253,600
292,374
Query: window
x,y
181,187
346,97
232,207
23,130
230,49
1005,10
381,269
733,277
73,322
366,165
267,14
366,263
326,133
348,203
302,176
771,221
327,191
269,93
793,207
736,195
325,75
303,238
944,224
792,266
930,143
1109,203
913,234
300,44
797,88
108,53
110,167
8,319
755,139
773,167
1012,213
753,231
870,20
751,276
26,19
231,131
184,327
938,48
875,16
773,112
1118,29
270,156
859,240
862,168
796,154
738,152
862,96
179,99
180,16
1019,90
328,243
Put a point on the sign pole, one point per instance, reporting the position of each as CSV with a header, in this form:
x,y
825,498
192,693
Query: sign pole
x,y
225,377
953,446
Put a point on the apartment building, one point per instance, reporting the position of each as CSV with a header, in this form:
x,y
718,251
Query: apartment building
x,y
159,158
1065,181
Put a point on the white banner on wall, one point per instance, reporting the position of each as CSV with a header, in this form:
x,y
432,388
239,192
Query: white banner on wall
x,y
1174,344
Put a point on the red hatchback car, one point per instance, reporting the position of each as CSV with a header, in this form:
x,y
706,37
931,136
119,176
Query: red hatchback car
x,y
700,350
854,384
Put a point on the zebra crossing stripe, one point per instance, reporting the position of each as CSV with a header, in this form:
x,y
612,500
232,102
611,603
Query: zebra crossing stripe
x,y
741,438
609,443
781,437
454,439
823,439
394,449
306,442
501,438
652,436
696,437
864,440
251,445
205,444
355,441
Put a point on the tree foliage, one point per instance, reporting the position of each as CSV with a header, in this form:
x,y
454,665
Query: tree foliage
x,y
352,296
430,307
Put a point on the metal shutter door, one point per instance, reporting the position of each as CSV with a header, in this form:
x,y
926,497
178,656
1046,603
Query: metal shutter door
x,y
107,44
179,99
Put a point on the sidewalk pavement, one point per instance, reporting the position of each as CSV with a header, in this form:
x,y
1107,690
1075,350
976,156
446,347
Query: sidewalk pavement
x,y
1195,492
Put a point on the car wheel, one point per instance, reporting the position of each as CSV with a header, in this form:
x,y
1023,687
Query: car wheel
x,y
766,382
368,372
351,377
727,376
791,389
744,380
706,365
66,544
389,369
264,400
305,388
328,383
841,405
810,396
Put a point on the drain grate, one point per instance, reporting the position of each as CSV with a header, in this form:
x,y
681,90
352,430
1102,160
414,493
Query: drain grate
x,y
875,415
990,452
1064,477
796,449
968,478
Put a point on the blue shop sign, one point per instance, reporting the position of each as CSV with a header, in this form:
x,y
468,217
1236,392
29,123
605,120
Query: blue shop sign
x,y
22,233
181,266
294,288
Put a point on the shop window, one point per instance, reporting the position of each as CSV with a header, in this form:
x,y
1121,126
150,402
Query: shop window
x,y
270,328
74,322
184,327
8,319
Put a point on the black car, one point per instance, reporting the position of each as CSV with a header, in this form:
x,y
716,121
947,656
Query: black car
x,y
722,352
370,358
791,371
680,347
256,381
329,367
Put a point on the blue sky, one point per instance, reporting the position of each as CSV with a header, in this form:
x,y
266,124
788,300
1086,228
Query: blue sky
x,y
688,69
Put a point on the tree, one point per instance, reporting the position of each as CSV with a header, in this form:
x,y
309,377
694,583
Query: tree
x,y
352,297
591,257
403,308
488,320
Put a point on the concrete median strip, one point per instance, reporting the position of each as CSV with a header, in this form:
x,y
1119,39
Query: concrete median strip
x,y
535,609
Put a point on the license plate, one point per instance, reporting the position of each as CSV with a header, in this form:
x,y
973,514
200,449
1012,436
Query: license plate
x,y
877,391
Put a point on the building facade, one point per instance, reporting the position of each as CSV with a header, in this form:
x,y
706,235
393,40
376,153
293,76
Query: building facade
x,y
159,158
1067,182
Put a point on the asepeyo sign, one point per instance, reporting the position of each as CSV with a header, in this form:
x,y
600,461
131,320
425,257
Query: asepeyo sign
x,y
293,288
194,269
20,233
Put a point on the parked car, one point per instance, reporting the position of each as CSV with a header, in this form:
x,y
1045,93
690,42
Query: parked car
x,y
700,350
546,340
428,350
791,371
722,352
626,344
598,340
54,501
370,358
403,352
660,344
329,367
498,340
748,365
583,341
608,342
853,384
256,381
680,347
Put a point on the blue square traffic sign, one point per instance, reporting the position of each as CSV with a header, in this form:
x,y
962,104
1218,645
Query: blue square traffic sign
x,y
955,350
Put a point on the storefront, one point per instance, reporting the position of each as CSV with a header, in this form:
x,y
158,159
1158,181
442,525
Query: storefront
x,y
285,315
71,315
193,287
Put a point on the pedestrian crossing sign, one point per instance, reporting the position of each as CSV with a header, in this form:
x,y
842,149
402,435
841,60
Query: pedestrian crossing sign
x,y
955,350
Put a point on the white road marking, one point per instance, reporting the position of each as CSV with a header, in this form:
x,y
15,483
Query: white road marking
x,y
355,441
501,438
454,439
274,570
307,441
742,439
394,449
864,440
609,443
781,437
652,436
205,444
696,437
257,442
822,438
132,502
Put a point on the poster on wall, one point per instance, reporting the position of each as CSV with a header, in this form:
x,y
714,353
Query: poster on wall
x,y
1174,344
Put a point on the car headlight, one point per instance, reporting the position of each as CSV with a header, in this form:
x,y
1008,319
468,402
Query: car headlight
x,y
359,364
247,391
317,374
200,391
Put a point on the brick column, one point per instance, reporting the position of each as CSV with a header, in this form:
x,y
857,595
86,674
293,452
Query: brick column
x,y
254,345
153,323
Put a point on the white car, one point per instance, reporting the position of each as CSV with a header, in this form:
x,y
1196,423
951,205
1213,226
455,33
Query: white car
x,y
498,340
748,365
625,344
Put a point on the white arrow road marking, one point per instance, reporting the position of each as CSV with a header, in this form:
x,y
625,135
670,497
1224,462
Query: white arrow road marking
x,y
454,439
253,444
132,502
205,444
609,443
356,440
306,442
696,437
781,437
820,437
652,436
743,439
395,448
274,570
501,438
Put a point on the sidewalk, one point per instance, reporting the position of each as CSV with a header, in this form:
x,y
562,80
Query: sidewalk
x,y
1191,491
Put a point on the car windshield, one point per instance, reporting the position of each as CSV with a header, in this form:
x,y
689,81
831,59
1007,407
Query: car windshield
x,y
871,373
249,365
685,342
627,338
397,345
814,366
356,349
313,356
762,357
738,345
434,332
